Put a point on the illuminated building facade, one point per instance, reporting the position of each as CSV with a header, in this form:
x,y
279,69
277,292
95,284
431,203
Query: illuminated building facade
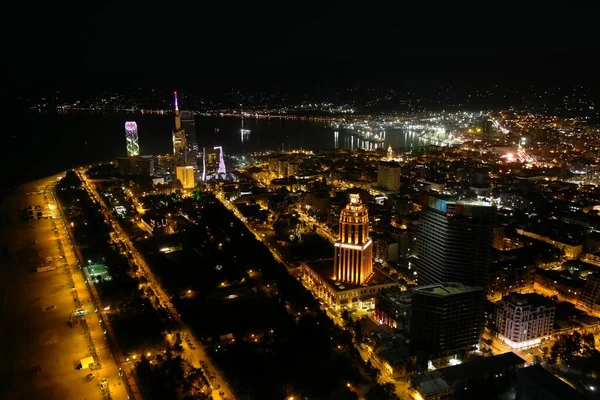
x,y
523,320
353,259
213,163
179,138
131,137
188,124
455,241
388,176
185,174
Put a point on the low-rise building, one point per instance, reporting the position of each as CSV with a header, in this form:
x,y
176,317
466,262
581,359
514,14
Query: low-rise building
x,y
459,380
392,308
155,224
536,383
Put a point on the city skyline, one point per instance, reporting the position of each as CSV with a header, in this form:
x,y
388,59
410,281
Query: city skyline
x,y
298,201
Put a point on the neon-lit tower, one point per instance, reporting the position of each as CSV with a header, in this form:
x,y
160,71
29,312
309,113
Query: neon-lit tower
x,y
179,142
353,260
221,170
131,137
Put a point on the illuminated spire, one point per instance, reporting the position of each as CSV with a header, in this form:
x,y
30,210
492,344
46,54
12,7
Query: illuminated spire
x,y
176,104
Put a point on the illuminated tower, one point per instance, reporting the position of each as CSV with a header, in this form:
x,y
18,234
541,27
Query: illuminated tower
x,y
188,124
353,261
179,142
131,136
221,170
390,153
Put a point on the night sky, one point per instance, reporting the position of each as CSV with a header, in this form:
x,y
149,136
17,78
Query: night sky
x,y
293,42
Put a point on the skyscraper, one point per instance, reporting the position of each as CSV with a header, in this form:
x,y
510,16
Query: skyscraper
x,y
188,124
388,176
454,241
179,138
131,137
353,260
446,318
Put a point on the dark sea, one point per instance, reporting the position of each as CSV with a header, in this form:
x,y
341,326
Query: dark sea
x,y
41,144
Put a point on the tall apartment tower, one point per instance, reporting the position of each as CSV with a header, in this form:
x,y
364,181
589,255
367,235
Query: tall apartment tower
x,y
446,318
454,241
388,176
188,124
353,260
131,138
487,127
590,297
179,138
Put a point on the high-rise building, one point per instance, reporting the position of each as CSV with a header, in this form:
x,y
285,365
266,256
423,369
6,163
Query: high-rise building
x,y
388,176
138,165
487,127
131,138
185,174
590,297
353,259
213,163
188,124
446,318
523,320
454,241
179,138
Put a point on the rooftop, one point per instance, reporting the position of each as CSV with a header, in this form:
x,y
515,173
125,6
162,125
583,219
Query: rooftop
x,y
526,299
433,387
549,383
481,366
396,295
445,289
324,268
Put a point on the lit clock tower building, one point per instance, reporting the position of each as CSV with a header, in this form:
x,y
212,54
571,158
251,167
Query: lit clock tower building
x,y
353,260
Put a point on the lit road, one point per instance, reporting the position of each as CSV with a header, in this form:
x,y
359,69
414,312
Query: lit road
x,y
402,387
321,228
36,307
499,347
95,308
196,355
231,207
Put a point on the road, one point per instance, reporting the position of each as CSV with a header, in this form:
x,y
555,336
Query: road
x,y
93,305
499,347
36,307
231,207
402,386
321,228
196,355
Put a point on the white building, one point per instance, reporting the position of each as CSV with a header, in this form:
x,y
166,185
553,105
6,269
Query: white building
x,y
523,320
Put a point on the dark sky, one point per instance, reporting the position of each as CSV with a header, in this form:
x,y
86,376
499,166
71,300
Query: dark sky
x,y
292,42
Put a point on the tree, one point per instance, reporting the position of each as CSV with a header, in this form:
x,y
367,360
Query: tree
x,y
588,344
347,318
384,391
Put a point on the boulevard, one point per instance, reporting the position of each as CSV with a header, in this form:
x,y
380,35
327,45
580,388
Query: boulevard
x,y
192,349
40,349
